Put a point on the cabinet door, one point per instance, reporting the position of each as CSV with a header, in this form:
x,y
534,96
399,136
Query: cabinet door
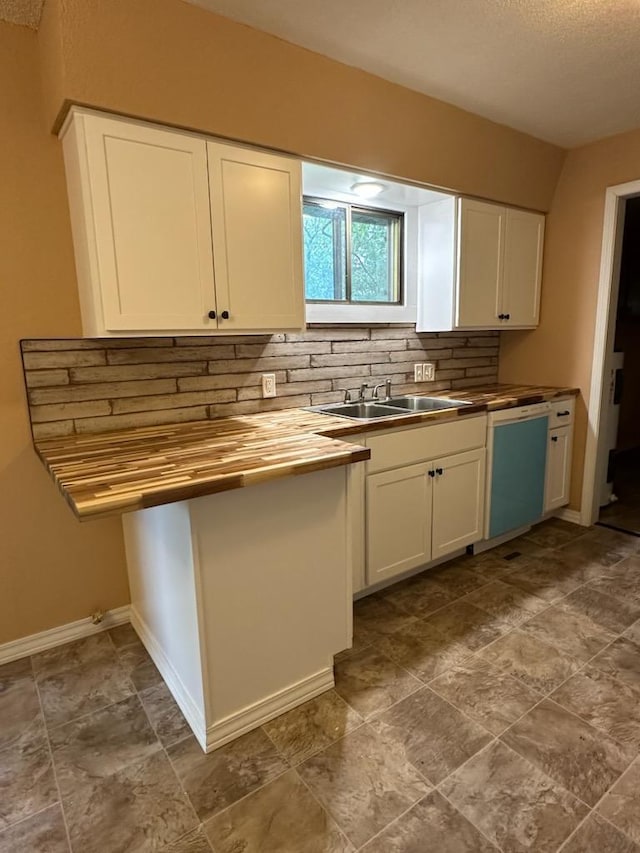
x,y
398,521
151,225
480,250
257,238
524,234
458,502
558,474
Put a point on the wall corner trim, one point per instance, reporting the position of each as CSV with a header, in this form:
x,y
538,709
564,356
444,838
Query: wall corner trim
x,y
52,637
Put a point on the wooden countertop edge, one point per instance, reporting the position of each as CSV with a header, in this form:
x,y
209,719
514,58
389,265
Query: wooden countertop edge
x,y
344,454
118,505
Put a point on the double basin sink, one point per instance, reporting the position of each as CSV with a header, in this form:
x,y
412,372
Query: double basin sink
x,y
392,407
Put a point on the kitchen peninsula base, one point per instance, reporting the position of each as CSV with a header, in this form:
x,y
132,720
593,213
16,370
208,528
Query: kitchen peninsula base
x,y
243,598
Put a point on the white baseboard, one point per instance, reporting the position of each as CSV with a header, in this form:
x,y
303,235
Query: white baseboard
x,y
572,515
266,709
49,639
243,721
194,715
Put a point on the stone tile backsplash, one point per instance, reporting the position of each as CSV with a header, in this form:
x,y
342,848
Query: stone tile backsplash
x,y
92,385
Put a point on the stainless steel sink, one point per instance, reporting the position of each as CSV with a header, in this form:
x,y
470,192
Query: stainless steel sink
x,y
360,411
392,408
425,404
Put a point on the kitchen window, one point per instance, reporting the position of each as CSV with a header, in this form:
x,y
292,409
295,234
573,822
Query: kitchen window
x,y
352,254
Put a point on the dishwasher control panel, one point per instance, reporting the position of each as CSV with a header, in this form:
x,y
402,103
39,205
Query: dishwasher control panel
x,y
520,413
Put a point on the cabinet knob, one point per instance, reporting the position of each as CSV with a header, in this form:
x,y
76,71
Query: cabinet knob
x,y
439,471
554,438
212,315
501,316
507,316
225,315
432,473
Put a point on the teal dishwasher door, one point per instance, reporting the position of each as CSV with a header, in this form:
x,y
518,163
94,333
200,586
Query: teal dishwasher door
x,y
518,473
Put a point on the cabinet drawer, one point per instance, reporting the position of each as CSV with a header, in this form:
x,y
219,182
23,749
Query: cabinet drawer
x,y
417,444
562,412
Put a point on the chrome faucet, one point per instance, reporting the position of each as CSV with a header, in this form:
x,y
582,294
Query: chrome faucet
x,y
348,395
387,390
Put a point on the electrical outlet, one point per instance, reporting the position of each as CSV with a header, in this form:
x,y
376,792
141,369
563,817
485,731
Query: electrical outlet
x,y
428,372
268,385
417,373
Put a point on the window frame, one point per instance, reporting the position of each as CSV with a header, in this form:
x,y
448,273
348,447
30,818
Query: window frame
x,y
397,259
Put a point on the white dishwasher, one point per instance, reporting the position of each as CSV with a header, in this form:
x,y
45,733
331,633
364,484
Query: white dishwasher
x,y
516,463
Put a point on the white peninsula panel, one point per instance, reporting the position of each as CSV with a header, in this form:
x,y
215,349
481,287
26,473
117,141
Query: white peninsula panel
x,y
243,598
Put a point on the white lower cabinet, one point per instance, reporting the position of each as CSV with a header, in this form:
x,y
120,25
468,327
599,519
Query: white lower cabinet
x,y
558,474
416,513
458,502
398,521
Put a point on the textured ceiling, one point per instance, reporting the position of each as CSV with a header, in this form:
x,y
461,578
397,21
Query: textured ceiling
x,y
567,71
24,12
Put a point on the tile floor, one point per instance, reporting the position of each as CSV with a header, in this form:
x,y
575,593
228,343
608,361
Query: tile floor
x,y
492,704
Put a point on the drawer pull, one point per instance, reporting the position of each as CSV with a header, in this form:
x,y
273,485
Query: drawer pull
x,y
554,438
563,414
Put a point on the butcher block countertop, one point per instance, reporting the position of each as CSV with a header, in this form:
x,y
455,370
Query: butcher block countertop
x,y
115,472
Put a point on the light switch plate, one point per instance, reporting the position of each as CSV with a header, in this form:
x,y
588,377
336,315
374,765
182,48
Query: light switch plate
x,y
428,372
417,373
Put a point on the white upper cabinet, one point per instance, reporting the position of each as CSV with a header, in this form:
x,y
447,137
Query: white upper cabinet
x,y
141,224
481,266
175,234
524,234
480,260
257,238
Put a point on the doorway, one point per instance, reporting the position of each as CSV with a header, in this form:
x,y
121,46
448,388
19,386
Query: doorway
x,y
611,493
620,500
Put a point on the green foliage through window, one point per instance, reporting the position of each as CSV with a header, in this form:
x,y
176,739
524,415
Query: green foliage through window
x,y
352,254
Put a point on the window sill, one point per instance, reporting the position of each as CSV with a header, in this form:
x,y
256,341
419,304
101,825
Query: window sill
x,y
336,314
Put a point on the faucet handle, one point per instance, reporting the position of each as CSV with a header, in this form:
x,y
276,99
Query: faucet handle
x,y
347,396
363,389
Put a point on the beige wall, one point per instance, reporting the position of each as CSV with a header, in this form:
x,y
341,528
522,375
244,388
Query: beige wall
x,y
172,62
560,351
52,569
